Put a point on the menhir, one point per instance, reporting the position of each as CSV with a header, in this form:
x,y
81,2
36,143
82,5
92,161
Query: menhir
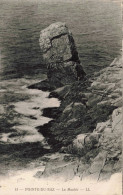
x,y
60,55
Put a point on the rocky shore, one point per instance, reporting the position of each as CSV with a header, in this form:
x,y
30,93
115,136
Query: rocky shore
x,y
86,129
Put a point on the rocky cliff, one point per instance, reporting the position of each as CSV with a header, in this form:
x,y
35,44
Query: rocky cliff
x,y
87,127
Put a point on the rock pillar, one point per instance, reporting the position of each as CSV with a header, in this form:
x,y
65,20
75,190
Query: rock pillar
x,y
60,55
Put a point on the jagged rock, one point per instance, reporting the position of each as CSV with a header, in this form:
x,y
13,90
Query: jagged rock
x,y
53,112
106,89
73,113
60,54
60,92
43,85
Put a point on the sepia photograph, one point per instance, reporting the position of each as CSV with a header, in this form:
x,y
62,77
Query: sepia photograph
x,y
61,97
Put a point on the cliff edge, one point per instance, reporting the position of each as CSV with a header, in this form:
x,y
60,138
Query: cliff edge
x,y
87,128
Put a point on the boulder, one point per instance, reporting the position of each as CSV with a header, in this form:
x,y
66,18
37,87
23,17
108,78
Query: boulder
x,y
60,55
79,142
84,142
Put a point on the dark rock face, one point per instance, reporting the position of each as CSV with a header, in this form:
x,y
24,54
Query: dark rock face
x,y
60,55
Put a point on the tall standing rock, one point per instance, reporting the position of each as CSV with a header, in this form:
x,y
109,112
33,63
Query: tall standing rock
x,y
60,55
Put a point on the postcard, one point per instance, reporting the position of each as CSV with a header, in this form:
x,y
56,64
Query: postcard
x,y
61,97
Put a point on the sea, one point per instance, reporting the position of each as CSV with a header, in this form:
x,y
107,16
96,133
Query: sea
x,y
96,28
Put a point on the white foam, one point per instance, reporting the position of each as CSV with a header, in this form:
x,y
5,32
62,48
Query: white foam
x,y
25,108
32,137
4,137
2,90
38,99
31,114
